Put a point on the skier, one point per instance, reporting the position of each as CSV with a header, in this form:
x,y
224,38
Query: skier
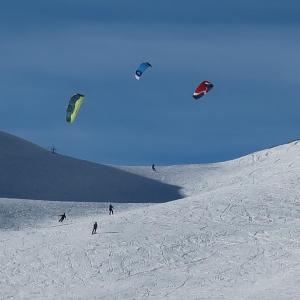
x,y
111,209
153,167
95,228
62,217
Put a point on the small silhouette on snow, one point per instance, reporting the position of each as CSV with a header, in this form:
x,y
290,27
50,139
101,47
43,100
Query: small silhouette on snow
x,y
95,228
62,217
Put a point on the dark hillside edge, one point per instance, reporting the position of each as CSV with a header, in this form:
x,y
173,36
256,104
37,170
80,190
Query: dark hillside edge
x,y
31,172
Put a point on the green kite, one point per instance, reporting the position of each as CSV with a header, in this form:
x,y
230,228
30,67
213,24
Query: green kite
x,y
73,107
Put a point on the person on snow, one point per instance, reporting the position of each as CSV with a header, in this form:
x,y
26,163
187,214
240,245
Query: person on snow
x,y
111,209
62,217
95,228
153,167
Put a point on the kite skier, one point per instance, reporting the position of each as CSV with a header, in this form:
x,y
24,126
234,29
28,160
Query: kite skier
x,y
111,209
95,228
62,217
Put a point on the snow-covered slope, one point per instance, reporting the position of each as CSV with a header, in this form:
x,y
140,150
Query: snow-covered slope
x,y
253,170
30,172
235,236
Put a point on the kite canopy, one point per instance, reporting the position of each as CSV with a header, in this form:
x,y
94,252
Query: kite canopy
x,y
141,69
73,107
203,88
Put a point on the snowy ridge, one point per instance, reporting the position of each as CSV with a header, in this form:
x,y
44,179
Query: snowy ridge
x,y
235,236
201,177
31,172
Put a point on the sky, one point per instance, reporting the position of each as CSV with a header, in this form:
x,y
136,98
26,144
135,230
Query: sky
x,y
249,49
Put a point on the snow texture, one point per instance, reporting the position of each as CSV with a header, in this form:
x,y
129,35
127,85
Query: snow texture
x,y
234,236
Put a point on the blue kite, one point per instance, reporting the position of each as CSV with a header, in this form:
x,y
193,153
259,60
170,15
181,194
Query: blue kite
x,y
141,69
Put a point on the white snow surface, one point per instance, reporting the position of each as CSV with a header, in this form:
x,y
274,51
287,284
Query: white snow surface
x,y
236,235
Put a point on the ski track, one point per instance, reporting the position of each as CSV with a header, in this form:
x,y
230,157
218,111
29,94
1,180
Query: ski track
x,y
236,236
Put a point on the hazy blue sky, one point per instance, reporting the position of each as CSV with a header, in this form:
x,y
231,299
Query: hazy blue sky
x,y
248,49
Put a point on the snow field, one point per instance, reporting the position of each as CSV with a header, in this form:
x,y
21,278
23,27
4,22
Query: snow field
x,y
235,236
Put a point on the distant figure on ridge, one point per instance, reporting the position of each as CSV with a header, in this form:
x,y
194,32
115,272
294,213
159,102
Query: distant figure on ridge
x,y
153,167
62,217
95,228
111,209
